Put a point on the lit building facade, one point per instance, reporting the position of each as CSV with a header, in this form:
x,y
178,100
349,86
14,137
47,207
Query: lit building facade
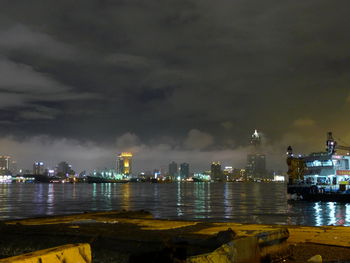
x,y
173,173
38,168
256,160
63,169
216,172
256,165
124,163
4,164
13,167
228,173
184,170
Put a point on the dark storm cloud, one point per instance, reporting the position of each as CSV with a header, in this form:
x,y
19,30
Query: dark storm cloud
x,y
18,37
39,112
171,77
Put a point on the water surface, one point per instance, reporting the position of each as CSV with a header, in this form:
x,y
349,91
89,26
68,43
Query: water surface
x,y
262,203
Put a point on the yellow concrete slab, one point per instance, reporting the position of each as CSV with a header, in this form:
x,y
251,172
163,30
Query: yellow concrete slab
x,y
240,229
336,236
103,217
145,224
330,235
157,224
72,253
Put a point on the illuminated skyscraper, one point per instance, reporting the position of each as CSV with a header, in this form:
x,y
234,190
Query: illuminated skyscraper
x,y
38,168
216,172
256,160
173,170
184,170
124,163
256,165
256,140
64,169
13,167
4,164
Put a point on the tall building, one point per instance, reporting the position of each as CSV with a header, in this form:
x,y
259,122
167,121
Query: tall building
x,y
124,163
256,165
256,140
163,170
38,168
156,173
4,164
64,169
173,170
256,160
13,167
228,173
216,172
184,170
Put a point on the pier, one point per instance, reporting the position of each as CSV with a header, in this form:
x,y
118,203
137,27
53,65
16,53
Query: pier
x,y
120,236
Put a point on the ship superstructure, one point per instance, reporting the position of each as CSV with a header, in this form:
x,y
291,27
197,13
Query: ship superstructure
x,y
326,169
321,175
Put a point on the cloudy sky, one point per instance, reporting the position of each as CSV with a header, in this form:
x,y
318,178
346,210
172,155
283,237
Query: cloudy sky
x,y
183,80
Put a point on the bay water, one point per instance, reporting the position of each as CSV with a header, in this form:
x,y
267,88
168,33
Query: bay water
x,y
258,203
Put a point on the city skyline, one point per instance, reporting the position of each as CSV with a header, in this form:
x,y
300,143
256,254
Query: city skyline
x,y
175,80
41,167
255,161
124,164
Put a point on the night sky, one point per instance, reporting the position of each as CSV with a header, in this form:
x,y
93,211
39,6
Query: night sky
x,y
182,80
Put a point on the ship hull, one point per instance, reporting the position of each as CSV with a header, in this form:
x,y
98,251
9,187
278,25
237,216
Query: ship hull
x,y
329,197
315,194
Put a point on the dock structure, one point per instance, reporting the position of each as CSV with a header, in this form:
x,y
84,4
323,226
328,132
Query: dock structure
x,y
120,236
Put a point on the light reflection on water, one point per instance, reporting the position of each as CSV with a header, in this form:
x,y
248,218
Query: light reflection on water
x,y
263,203
332,219
179,203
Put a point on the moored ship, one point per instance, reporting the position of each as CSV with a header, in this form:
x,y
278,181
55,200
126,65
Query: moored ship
x,y
321,176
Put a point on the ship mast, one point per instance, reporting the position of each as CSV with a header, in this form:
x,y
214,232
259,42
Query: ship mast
x,y
332,146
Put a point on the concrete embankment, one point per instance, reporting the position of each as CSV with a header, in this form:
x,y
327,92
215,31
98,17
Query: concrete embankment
x,y
71,253
119,236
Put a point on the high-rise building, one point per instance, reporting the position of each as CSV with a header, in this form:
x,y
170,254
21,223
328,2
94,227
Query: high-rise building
x,y
184,170
216,172
156,173
124,163
173,173
4,164
228,173
38,168
163,170
64,169
256,160
256,165
13,167
256,140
